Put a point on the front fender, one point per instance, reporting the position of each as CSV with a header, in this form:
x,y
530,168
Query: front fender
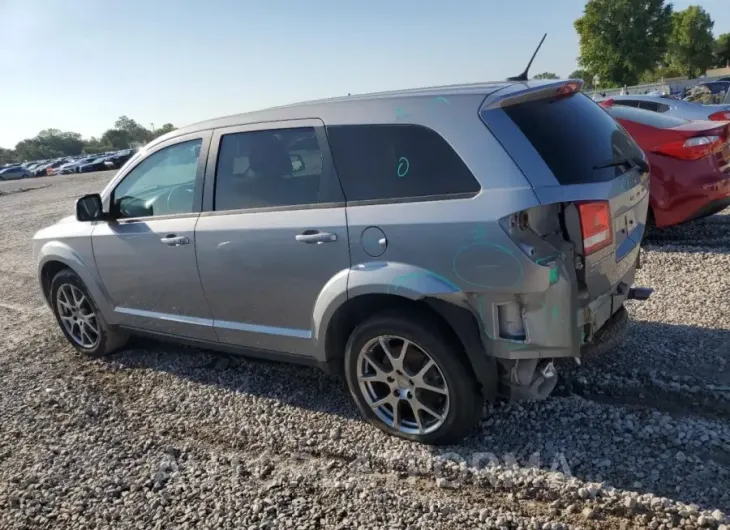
x,y
82,263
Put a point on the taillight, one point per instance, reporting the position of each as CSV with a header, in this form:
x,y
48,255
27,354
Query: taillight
x,y
568,89
606,103
595,225
691,148
720,116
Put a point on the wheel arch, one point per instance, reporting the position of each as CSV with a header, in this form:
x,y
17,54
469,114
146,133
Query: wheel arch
x,y
457,323
47,273
55,257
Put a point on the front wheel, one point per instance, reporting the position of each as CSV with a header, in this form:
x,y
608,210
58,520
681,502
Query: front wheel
x,y
80,319
409,379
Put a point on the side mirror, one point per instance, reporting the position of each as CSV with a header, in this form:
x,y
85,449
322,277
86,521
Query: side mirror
x,y
89,208
297,163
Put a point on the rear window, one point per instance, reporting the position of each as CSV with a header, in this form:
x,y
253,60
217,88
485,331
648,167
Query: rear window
x,y
397,162
573,135
626,102
645,117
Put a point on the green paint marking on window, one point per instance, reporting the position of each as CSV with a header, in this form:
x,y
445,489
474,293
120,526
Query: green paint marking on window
x,y
403,166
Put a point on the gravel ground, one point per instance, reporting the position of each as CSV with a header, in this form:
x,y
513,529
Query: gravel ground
x,y
161,436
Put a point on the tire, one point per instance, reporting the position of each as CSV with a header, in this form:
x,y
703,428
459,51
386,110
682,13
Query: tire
x,y
66,285
609,337
458,400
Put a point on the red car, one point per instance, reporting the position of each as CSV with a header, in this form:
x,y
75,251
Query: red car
x,y
690,163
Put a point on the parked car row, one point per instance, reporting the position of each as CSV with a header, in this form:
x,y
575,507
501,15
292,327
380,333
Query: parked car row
x,y
688,147
67,164
14,173
690,163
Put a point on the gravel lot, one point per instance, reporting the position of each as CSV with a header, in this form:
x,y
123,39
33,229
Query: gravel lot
x,y
160,436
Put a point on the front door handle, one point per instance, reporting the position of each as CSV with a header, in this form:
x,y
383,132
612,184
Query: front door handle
x,y
175,241
315,236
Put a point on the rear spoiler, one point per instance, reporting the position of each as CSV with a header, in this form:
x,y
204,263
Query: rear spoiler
x,y
531,91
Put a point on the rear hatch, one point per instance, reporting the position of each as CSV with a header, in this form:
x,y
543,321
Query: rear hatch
x,y
575,155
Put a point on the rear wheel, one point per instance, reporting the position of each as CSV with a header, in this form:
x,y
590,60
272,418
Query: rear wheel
x,y
409,380
80,319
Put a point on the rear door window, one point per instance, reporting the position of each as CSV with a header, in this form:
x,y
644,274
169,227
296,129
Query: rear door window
x,y
573,135
268,168
377,162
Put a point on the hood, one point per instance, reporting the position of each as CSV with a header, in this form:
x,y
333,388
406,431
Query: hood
x,y
69,219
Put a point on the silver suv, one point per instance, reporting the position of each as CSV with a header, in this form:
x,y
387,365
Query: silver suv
x,y
438,247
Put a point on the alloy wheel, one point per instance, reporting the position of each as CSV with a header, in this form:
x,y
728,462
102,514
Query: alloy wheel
x,y
403,385
77,316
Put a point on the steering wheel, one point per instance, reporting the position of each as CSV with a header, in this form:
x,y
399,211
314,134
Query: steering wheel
x,y
183,195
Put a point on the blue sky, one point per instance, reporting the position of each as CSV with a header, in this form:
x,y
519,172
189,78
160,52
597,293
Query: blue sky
x,y
79,64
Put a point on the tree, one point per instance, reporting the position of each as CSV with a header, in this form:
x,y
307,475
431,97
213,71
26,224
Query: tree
x,y
168,127
50,143
34,149
7,156
585,75
546,75
690,43
722,50
135,132
117,138
661,72
54,143
94,145
621,39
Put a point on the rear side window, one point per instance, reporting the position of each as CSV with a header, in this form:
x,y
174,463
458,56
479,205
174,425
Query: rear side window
x,y
660,121
626,102
269,168
573,135
397,162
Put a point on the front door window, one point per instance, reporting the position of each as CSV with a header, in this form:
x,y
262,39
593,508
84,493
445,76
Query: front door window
x,y
162,184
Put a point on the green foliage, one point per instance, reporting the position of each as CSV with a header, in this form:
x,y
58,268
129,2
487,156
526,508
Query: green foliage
x,y
585,75
94,145
722,50
135,132
7,156
661,72
691,44
117,138
621,39
54,143
168,127
546,75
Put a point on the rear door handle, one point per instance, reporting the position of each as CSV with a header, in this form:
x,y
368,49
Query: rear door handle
x,y
315,236
175,241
